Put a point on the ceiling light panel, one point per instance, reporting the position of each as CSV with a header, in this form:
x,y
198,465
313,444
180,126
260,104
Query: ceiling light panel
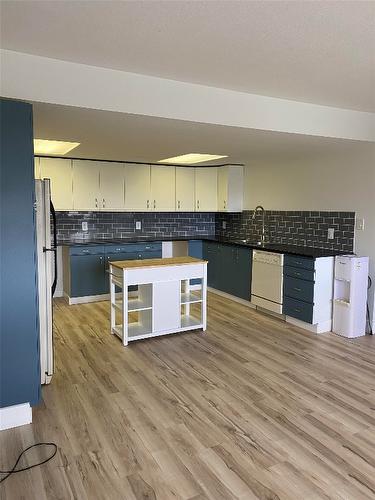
x,y
191,158
47,147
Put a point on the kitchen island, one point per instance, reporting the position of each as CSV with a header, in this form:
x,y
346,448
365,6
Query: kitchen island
x,y
163,303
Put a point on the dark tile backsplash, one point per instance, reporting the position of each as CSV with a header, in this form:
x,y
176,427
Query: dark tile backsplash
x,y
122,225
292,228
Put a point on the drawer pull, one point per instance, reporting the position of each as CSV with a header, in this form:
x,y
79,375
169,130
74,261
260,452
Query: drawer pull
x,y
297,310
297,289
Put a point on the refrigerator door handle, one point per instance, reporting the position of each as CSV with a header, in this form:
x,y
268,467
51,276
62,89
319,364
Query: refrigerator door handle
x,y
54,249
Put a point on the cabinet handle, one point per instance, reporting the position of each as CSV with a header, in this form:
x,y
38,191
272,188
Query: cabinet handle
x,y
198,204
154,203
225,204
178,204
101,258
96,202
297,310
297,289
103,203
148,203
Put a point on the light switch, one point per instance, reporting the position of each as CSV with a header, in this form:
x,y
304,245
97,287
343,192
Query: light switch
x,y
138,225
85,226
224,224
331,233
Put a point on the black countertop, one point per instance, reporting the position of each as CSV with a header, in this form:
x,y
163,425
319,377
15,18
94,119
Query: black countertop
x,y
268,247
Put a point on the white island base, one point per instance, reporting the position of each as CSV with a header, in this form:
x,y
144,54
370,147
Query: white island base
x,y
164,302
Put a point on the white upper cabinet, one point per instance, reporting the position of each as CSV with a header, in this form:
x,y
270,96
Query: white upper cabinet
x,y
111,182
86,192
230,188
206,189
163,188
137,187
59,171
98,185
185,189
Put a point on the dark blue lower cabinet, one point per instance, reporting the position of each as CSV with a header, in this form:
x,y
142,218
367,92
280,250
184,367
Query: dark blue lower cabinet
x,y
298,289
211,254
241,272
87,275
89,265
298,309
229,268
235,271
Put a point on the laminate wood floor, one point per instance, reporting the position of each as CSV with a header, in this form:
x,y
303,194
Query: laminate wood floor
x,y
253,408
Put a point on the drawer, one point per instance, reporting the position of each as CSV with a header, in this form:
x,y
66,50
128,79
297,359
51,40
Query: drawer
x,y
87,250
299,273
298,309
150,254
300,262
133,248
299,289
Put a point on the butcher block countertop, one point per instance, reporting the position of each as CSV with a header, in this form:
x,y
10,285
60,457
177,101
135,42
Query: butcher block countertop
x,y
170,261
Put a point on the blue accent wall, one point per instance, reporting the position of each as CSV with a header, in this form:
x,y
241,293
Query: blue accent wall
x,y
19,334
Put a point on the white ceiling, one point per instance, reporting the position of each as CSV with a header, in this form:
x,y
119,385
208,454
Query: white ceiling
x,y
119,136
314,51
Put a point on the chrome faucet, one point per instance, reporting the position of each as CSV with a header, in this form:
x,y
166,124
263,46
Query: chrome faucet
x,y
257,209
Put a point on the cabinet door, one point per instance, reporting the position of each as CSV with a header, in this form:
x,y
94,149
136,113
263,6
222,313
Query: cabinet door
x,y
185,189
59,171
87,275
222,188
206,189
225,263
163,188
137,187
112,180
86,195
210,253
242,273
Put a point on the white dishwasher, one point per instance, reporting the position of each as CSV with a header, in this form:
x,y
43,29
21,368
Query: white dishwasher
x,y
267,280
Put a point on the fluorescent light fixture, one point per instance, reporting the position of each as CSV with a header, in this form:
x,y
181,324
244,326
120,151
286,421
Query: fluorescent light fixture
x,y
47,147
191,158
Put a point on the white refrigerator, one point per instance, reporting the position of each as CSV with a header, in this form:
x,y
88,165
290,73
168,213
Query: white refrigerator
x,y
47,274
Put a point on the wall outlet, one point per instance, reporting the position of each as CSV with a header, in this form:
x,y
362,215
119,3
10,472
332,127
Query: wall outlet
x,y
138,225
331,233
360,224
85,226
224,224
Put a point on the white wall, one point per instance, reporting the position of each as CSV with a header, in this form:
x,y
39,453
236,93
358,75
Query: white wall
x,y
342,183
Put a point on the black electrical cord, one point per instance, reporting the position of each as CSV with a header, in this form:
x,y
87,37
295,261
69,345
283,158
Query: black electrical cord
x,y
367,307
14,469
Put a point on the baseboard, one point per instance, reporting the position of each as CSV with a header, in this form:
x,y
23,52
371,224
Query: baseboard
x,y
228,296
15,416
94,298
84,300
324,327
